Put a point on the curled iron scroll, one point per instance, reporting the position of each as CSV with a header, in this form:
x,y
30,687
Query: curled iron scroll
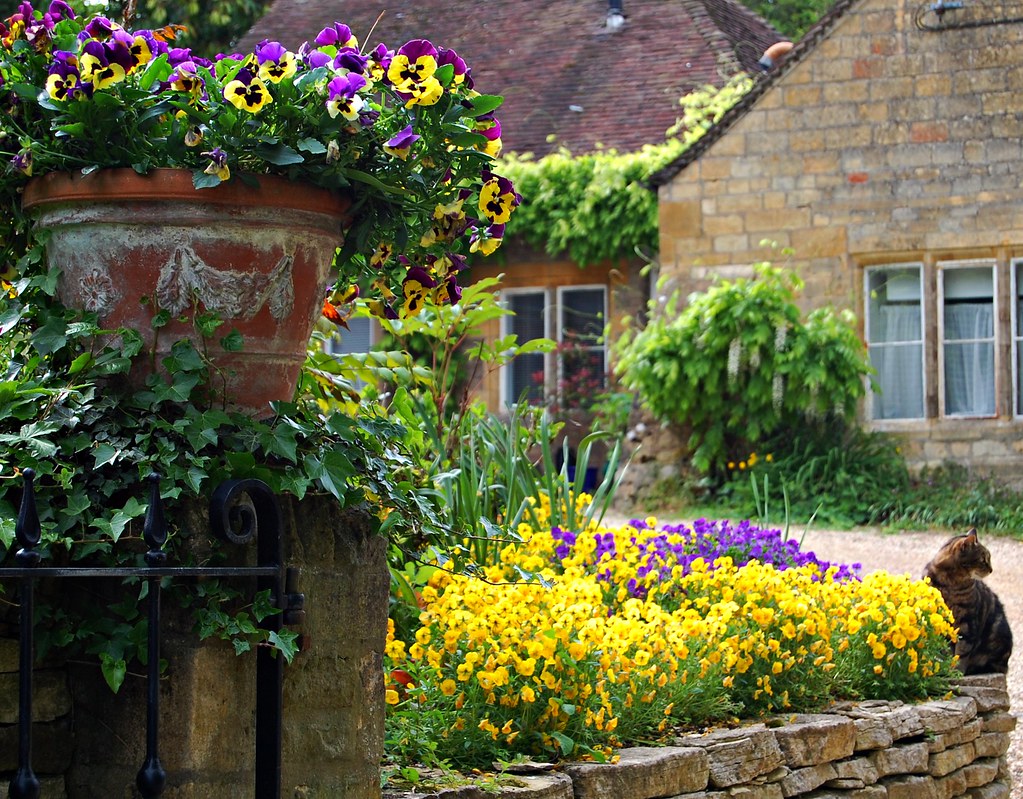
x,y
243,509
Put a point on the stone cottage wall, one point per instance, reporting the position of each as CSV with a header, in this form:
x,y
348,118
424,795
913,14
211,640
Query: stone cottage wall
x,y
881,144
869,750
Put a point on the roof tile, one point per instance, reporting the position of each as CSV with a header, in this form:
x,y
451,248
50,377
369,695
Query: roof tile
x,y
567,80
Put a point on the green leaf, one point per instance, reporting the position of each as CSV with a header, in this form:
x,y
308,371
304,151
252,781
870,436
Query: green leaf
x,y
204,180
51,336
114,671
104,454
285,642
311,146
565,744
233,341
280,155
10,318
485,103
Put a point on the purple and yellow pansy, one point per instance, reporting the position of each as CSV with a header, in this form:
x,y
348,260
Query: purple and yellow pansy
x,y
378,122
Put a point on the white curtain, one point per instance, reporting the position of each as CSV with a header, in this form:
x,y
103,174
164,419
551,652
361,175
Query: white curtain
x,y
969,359
897,355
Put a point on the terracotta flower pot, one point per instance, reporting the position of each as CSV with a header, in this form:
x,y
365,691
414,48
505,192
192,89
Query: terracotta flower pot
x,y
128,246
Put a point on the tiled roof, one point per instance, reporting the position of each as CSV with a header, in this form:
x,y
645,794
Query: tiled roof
x,y
805,45
566,79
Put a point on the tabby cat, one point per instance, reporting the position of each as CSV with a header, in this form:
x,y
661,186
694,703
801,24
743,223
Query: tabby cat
x,y
985,639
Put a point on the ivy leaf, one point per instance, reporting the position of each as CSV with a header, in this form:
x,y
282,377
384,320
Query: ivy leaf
x,y
233,341
10,318
114,671
105,454
285,642
51,336
34,438
262,607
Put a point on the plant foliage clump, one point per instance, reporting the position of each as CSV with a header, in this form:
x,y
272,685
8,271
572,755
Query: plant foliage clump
x,y
741,362
644,629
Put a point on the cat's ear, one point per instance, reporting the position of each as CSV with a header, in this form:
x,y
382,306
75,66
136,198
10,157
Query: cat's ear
x,y
972,533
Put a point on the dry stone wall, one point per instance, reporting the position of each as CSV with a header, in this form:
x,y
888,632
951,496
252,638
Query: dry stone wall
x,y
951,748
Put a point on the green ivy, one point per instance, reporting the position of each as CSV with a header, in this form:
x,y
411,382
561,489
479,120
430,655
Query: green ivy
x,y
740,362
68,412
599,206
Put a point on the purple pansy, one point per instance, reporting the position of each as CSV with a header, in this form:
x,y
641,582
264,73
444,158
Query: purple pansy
x,y
350,59
267,51
402,142
313,58
337,35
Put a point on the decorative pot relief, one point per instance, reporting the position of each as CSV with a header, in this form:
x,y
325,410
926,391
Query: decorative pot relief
x,y
97,292
186,278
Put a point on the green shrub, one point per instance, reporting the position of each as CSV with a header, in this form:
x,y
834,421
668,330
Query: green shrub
x,y
740,363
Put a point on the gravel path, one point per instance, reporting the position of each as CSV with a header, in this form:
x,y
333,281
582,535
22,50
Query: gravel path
x,y
900,553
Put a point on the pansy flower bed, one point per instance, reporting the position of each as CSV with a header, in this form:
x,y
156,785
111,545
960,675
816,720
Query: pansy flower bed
x,y
632,631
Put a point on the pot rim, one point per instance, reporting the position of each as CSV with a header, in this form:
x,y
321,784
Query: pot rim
x,y
170,184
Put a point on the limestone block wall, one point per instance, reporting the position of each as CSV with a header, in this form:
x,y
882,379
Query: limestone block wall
x,y
655,454
880,143
89,743
867,750
53,738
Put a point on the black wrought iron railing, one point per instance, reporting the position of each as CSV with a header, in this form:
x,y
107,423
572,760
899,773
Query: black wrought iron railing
x,y
240,510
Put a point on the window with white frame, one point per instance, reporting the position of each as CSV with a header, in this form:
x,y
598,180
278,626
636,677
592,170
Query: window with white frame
x,y
966,298
1017,335
895,340
574,317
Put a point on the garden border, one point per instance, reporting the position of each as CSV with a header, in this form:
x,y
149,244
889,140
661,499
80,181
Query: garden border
x,y
875,749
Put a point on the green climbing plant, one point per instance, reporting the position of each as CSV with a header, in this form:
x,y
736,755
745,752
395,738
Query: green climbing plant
x,y
599,206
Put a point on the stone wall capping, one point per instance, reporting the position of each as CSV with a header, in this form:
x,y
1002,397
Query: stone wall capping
x,y
940,749
944,715
643,772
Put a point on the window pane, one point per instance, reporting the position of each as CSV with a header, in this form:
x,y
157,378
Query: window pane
x,y
582,356
525,374
895,342
583,377
968,349
582,314
357,338
899,367
530,320
526,378
1017,337
969,379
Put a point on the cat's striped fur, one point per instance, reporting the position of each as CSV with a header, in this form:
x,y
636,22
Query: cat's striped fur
x,y
985,638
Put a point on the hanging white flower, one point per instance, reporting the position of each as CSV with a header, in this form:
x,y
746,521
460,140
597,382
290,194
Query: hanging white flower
x,y
734,358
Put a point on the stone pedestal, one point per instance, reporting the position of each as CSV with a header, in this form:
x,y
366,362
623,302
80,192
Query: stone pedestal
x,y
333,692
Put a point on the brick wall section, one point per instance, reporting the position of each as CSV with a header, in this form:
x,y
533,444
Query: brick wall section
x,y
882,144
866,750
